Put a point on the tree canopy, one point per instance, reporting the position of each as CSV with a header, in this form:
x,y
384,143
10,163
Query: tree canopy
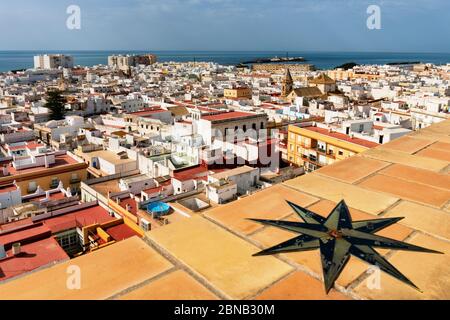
x,y
55,104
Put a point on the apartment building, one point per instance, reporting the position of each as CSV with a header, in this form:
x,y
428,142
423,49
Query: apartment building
x,y
238,93
227,123
41,168
53,61
127,61
312,147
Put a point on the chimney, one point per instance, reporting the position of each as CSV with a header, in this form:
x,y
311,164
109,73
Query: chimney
x,y
16,249
2,252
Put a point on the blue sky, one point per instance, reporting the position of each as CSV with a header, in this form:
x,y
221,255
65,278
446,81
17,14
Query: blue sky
x,y
304,25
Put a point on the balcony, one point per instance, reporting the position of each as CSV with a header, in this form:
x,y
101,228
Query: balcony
x,y
315,161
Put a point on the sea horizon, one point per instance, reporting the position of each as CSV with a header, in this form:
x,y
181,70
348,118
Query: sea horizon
x,y
23,59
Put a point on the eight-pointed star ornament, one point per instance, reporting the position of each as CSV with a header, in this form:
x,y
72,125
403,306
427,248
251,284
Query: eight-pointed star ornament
x,y
338,237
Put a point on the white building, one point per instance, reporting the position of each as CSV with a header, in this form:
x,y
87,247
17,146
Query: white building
x,y
245,178
53,61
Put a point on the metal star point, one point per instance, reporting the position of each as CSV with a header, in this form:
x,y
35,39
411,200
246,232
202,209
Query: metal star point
x,y
338,237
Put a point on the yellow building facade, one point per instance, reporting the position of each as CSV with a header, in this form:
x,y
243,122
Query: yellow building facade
x,y
48,178
238,93
313,147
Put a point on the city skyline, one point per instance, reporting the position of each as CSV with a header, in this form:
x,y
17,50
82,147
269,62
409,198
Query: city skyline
x,y
232,26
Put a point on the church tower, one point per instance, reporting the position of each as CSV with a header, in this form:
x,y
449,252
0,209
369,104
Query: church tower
x,y
288,84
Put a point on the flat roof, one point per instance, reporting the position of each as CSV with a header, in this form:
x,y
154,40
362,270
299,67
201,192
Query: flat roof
x,y
34,255
60,161
233,172
84,217
105,273
107,155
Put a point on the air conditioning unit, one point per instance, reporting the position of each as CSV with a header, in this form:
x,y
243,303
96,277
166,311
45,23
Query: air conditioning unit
x,y
145,225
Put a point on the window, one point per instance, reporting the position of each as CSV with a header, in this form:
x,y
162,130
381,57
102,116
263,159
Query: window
x,y
54,183
262,125
341,153
74,178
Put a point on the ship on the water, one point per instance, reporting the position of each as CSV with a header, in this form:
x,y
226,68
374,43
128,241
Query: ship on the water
x,y
275,60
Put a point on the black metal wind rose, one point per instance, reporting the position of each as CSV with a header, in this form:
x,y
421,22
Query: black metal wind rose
x,y
338,237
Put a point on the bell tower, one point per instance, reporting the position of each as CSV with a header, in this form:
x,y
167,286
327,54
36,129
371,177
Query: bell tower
x,y
288,84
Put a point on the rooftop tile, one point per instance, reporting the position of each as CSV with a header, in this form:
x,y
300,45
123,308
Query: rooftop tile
x,y
353,169
356,197
430,272
422,218
406,159
407,190
299,286
104,273
435,154
219,257
177,285
234,214
418,175
407,144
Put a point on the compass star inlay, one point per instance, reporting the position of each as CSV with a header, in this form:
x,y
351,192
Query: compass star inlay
x,y
338,237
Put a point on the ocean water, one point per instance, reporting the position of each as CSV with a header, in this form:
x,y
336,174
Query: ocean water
x,y
14,60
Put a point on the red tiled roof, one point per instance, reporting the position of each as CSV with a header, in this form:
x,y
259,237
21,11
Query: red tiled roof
x,y
84,217
8,188
121,232
131,202
30,145
228,116
191,173
341,136
25,235
16,224
33,256
60,160
153,190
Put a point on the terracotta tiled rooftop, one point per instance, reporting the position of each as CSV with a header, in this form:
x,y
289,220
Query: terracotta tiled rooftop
x,y
210,254
228,116
344,137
